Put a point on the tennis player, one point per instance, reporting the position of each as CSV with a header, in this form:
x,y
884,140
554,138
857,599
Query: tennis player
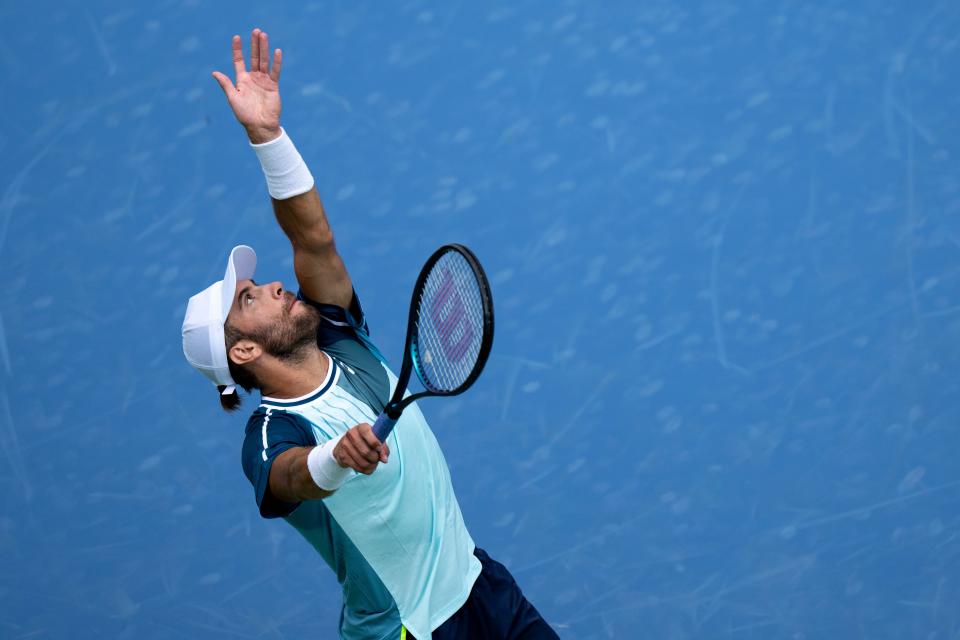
x,y
383,516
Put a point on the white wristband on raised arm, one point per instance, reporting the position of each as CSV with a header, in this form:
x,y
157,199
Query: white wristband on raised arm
x,y
286,172
324,468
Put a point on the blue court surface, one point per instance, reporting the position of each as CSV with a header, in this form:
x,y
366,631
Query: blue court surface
x,y
724,244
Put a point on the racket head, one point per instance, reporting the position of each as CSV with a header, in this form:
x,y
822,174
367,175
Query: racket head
x,y
451,321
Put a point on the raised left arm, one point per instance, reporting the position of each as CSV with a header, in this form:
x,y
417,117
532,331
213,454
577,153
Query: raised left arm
x,y
255,101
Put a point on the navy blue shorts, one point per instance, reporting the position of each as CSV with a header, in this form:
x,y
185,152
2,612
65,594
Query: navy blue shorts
x,y
495,610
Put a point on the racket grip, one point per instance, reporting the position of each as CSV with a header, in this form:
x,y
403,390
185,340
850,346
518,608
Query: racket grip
x,y
383,426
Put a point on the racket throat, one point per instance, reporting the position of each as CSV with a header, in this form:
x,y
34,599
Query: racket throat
x,y
393,410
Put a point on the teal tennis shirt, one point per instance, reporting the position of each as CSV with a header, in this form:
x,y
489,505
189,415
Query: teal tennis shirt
x,y
396,538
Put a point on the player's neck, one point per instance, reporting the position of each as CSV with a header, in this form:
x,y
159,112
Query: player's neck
x,y
293,379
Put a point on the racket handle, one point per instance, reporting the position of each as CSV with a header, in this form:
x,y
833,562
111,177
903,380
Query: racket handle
x,y
383,426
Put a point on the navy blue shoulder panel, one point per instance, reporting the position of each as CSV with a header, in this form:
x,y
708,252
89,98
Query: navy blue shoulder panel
x,y
269,433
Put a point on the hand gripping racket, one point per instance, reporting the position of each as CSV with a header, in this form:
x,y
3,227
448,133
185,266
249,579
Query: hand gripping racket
x,y
449,333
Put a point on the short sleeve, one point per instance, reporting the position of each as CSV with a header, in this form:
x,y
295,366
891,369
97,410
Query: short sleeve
x,y
269,433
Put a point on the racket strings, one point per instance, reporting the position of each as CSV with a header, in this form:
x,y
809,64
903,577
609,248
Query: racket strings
x,y
450,324
450,331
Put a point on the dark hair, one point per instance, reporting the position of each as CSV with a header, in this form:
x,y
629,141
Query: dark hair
x,y
229,402
240,374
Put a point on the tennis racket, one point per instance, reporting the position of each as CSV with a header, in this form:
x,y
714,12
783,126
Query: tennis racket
x,y
449,333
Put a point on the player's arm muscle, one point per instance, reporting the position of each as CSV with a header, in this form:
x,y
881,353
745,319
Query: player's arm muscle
x,y
320,270
290,479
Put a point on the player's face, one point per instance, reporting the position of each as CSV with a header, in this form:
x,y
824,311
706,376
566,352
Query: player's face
x,y
273,317
255,304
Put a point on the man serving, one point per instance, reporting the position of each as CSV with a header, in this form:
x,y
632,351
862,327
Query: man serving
x,y
383,516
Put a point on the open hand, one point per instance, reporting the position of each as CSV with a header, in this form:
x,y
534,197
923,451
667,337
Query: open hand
x,y
255,99
361,450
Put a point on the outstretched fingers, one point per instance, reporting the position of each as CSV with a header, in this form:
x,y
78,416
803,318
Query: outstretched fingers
x,y
238,65
277,60
259,55
264,52
255,50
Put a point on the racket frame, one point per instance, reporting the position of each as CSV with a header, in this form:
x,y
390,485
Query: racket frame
x,y
411,356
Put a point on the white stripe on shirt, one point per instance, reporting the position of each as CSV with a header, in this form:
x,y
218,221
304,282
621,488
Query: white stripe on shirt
x,y
266,421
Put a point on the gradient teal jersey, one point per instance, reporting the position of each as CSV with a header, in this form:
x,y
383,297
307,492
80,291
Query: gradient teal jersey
x,y
396,538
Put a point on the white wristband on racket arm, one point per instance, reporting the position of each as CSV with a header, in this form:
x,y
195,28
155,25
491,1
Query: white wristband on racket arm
x,y
324,468
286,172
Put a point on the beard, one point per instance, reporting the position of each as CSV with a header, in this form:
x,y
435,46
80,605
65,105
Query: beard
x,y
291,338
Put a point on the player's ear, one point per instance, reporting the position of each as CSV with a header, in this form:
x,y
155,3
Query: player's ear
x,y
244,352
